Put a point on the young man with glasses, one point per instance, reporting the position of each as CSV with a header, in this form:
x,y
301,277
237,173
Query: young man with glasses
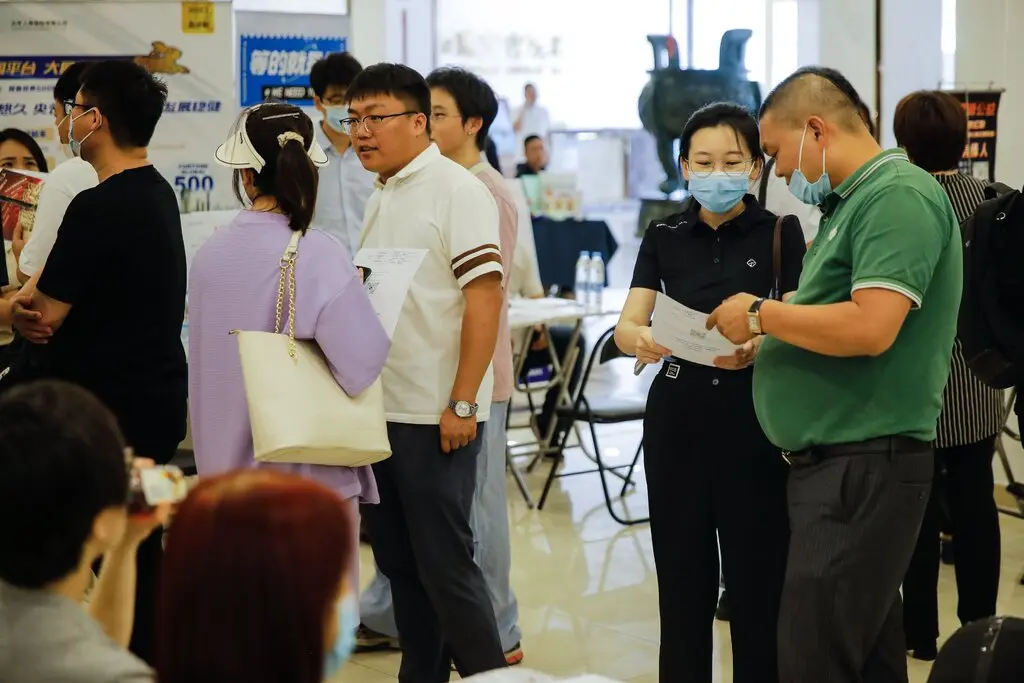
x,y
438,379
61,186
463,107
117,330
345,185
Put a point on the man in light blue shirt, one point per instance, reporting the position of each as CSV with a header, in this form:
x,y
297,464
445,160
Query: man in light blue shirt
x,y
344,184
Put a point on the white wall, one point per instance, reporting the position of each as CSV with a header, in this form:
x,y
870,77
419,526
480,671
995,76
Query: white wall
x,y
989,50
394,31
841,34
911,57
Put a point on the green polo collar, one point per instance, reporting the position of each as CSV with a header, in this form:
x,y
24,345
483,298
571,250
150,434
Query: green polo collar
x,y
859,176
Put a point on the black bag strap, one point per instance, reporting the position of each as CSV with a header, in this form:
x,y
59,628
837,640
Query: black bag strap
x,y
777,259
762,189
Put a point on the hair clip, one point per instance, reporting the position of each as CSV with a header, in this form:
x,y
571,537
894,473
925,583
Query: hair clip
x,y
281,116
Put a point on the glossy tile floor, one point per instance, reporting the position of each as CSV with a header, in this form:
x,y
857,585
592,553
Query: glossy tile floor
x,y
587,589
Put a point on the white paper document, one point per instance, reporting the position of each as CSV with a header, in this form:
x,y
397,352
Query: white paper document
x,y
682,331
392,272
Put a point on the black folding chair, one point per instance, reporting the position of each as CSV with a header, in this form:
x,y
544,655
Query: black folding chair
x,y
604,409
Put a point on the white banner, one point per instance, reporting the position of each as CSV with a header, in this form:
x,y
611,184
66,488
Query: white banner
x,y
189,45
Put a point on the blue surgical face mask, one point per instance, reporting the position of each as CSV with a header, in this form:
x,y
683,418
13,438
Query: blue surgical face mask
x,y
345,642
807,192
719,192
335,115
76,145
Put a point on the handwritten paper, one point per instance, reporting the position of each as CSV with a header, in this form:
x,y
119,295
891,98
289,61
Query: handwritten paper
x,y
391,275
682,331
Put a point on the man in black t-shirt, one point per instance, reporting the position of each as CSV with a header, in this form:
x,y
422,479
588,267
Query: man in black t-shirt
x,y
110,300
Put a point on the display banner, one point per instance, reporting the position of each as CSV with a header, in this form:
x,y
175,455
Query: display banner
x,y
277,67
982,107
187,45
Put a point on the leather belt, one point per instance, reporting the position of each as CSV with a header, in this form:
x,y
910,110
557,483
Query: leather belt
x,y
885,444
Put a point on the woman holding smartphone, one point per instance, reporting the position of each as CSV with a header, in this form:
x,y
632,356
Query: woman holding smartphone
x,y
713,478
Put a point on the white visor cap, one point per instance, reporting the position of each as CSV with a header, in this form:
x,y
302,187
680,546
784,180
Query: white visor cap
x,y
238,151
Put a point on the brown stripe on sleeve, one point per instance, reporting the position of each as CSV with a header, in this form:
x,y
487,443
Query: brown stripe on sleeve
x,y
476,262
482,247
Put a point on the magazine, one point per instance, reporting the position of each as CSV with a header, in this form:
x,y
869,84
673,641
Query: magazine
x,y
19,195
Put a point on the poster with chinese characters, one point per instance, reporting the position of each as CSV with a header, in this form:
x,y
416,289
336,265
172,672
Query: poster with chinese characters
x,y
277,67
188,45
982,107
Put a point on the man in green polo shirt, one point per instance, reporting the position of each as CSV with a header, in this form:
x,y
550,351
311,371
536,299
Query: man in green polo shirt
x,y
849,378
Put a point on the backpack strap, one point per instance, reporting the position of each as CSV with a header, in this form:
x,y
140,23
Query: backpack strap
x,y
762,188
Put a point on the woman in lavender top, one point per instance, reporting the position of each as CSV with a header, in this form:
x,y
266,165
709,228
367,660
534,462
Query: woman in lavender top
x,y
234,283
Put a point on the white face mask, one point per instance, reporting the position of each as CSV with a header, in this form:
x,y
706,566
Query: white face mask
x,y
65,148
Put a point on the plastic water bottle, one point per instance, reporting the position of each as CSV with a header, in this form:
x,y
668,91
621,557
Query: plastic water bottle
x,y
596,280
583,279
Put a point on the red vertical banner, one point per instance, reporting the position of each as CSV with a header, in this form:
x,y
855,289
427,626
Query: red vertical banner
x,y
982,108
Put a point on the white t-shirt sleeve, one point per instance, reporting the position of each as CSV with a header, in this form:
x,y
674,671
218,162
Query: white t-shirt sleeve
x,y
471,233
63,185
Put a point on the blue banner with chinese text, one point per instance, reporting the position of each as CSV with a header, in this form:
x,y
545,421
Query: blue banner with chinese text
x,y
277,67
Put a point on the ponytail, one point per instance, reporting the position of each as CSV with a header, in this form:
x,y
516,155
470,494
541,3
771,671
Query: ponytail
x,y
295,183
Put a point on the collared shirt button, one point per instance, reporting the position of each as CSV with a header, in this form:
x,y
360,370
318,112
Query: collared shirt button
x,y
717,260
714,382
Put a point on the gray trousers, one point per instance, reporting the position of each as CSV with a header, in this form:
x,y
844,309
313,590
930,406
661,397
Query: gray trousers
x,y
423,544
854,521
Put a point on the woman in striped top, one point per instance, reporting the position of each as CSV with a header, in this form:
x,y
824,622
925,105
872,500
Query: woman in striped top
x,y
932,127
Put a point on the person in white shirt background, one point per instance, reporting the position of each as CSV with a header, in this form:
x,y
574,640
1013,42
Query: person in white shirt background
x,y
345,185
61,186
530,119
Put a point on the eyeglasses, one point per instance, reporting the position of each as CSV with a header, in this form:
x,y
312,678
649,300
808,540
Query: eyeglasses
x,y
372,123
735,168
68,106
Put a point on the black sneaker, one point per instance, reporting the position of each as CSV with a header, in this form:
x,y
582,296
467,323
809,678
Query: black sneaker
x,y
368,640
724,611
925,653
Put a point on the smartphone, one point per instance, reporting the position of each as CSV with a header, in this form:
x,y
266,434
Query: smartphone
x,y
152,486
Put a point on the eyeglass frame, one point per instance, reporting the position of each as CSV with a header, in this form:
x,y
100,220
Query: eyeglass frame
x,y
351,125
748,163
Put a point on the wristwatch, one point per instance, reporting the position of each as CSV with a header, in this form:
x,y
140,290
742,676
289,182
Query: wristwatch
x,y
754,317
463,409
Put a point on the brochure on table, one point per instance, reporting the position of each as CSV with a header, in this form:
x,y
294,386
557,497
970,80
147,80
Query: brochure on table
x,y
185,44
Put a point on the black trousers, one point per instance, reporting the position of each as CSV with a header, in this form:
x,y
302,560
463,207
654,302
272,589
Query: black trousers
x,y
967,485
712,474
854,520
423,543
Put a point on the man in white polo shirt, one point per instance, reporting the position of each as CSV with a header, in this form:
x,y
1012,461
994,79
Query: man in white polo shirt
x,y
61,186
438,379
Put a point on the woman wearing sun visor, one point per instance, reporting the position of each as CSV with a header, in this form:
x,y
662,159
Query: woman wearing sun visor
x,y
233,285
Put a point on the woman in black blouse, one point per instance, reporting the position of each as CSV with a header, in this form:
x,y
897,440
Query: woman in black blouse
x,y
932,127
710,470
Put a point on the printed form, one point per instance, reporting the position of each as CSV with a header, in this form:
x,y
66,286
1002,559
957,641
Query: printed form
x,y
391,275
682,331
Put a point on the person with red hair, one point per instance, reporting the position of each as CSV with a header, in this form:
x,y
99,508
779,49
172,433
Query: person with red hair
x,y
256,582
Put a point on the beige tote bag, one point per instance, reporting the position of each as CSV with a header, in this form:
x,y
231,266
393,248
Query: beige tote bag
x,y
298,411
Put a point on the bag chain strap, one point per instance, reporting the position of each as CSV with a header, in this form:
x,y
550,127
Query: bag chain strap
x,y
287,273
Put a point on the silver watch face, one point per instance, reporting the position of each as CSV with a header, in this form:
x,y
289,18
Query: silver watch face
x,y
463,409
